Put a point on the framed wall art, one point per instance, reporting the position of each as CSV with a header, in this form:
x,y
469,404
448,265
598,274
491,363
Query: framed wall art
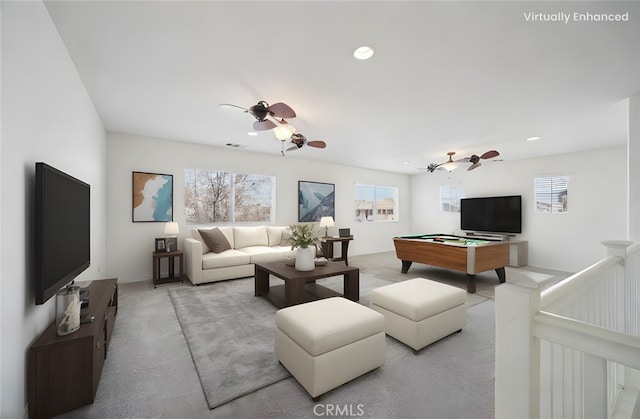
x,y
161,245
152,197
171,244
315,200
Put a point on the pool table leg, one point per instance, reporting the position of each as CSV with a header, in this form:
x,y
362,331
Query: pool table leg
x,y
406,264
471,284
501,274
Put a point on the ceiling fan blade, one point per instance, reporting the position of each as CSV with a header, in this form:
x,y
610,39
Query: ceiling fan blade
x,y
490,154
474,165
282,110
317,144
295,147
432,167
464,160
263,125
233,106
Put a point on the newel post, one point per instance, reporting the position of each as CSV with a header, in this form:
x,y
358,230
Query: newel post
x,y
517,363
622,317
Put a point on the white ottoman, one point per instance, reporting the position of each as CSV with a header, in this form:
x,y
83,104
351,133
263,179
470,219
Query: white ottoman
x,y
419,311
328,342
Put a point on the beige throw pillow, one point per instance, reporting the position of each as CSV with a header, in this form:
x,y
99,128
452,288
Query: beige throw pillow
x,y
286,235
215,240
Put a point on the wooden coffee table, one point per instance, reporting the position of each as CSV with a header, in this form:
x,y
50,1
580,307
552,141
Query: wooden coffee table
x,y
301,287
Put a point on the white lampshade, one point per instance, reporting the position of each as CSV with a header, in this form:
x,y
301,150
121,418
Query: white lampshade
x,y
449,166
326,222
171,229
283,132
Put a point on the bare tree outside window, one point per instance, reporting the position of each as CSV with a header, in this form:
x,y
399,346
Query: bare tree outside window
x,y
215,197
253,198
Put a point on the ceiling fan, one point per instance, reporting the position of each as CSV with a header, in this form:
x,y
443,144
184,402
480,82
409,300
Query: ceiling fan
x,y
261,111
450,164
300,140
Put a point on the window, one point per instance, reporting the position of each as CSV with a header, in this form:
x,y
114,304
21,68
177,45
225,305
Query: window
x,y
376,203
212,196
450,198
551,194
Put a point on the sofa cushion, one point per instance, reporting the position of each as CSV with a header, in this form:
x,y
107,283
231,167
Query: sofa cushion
x,y
276,233
215,240
227,231
225,259
286,237
261,254
250,236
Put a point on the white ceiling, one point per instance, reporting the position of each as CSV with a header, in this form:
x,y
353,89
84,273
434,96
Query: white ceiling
x,y
446,76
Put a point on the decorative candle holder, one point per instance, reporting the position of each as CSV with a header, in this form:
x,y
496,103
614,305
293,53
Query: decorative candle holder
x,y
68,310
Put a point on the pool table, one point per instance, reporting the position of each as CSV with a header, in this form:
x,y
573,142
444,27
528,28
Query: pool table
x,y
454,252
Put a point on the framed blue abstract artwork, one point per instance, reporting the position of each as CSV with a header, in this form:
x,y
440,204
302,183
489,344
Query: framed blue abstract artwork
x,y
315,200
152,197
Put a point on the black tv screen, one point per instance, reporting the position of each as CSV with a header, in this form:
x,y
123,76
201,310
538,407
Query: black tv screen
x,y
61,231
497,214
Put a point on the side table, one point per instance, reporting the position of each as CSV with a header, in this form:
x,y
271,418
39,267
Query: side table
x,y
327,247
157,259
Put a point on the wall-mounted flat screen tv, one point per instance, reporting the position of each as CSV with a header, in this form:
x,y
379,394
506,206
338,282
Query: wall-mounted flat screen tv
x,y
61,230
496,214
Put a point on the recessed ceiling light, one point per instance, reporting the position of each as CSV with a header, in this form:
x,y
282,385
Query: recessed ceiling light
x,y
252,133
533,138
364,52
406,162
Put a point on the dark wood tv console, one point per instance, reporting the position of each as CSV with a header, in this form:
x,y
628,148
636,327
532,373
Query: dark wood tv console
x,y
64,371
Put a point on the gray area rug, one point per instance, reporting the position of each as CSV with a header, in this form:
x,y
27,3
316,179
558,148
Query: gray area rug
x,y
230,334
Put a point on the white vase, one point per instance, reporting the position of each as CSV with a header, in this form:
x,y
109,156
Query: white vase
x,y
305,258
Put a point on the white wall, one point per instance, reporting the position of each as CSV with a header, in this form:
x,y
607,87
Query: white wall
x,y
129,245
570,242
633,168
46,116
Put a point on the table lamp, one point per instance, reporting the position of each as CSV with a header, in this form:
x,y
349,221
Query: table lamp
x,y
326,222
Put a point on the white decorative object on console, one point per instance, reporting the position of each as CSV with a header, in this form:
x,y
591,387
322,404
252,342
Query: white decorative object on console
x,y
68,310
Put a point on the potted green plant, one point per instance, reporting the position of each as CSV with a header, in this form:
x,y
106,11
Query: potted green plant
x,y
304,239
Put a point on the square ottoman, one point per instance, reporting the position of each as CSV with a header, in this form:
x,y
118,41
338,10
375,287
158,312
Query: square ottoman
x,y
329,342
419,311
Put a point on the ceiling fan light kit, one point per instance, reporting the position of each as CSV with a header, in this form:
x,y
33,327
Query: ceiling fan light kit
x,y
451,164
283,132
265,116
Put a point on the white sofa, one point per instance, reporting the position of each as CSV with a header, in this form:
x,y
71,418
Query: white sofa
x,y
249,245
